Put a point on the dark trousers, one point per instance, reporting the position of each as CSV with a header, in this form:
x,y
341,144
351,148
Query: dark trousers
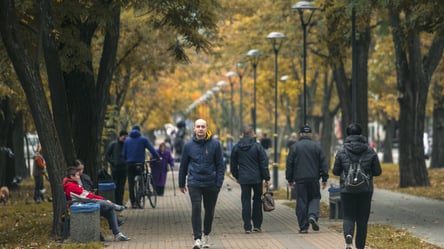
x,y
308,198
249,214
133,171
119,177
209,197
107,211
356,208
38,185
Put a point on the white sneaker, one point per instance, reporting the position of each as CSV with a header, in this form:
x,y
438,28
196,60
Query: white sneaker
x,y
121,237
348,242
197,244
206,241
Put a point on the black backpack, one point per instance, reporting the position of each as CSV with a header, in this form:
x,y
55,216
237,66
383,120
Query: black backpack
x,y
356,180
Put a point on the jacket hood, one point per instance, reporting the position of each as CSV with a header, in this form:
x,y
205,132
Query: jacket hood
x,y
135,133
356,144
246,142
67,180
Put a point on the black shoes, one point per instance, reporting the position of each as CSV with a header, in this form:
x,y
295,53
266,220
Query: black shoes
x,y
314,223
348,242
257,230
303,231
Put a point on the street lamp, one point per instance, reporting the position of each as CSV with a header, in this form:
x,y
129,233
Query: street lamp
x,y
306,10
240,70
253,55
230,75
276,40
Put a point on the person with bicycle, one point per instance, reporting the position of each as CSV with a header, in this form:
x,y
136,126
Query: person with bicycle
x,y
134,154
202,165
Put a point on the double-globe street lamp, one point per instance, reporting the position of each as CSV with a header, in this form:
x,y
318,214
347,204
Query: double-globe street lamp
x,y
276,39
306,10
253,55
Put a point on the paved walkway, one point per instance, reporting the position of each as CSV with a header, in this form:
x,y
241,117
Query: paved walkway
x,y
169,225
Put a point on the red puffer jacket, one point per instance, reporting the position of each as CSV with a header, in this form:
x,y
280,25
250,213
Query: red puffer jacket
x,y
71,186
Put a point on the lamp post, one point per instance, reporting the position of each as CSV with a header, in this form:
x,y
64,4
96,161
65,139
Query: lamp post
x,y
253,55
306,10
222,84
276,39
230,75
240,70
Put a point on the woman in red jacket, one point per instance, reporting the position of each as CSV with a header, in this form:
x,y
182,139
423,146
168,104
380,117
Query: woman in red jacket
x,y
107,208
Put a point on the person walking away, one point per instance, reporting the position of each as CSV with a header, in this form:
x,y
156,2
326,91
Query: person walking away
x,y
159,169
39,170
293,139
107,208
249,165
356,206
265,141
114,157
201,165
305,165
134,153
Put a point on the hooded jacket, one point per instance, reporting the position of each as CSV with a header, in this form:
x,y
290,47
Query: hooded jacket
x,y
71,186
202,162
134,148
249,162
358,149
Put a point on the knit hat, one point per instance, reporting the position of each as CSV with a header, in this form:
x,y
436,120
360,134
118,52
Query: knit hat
x,y
123,133
305,129
136,127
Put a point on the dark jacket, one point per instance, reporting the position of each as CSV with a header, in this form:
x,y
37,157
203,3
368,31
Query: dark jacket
x,y
114,156
306,162
249,162
134,148
202,162
358,148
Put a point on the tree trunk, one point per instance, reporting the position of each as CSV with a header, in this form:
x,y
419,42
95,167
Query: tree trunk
x,y
437,160
362,47
413,75
388,141
28,74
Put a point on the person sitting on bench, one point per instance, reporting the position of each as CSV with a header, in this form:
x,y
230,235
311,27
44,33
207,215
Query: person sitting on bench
x,y
74,192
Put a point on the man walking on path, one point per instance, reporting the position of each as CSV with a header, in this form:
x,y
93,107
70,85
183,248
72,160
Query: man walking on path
x,y
249,165
134,155
202,163
114,157
305,165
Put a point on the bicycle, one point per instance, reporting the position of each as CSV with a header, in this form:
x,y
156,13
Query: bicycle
x,y
144,185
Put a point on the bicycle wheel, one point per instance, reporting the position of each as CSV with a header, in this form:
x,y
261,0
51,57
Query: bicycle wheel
x,y
138,192
152,194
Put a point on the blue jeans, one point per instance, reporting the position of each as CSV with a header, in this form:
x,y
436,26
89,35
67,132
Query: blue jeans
x,y
249,214
209,197
107,211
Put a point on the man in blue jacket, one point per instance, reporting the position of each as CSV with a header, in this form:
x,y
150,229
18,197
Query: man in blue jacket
x,y
202,163
134,154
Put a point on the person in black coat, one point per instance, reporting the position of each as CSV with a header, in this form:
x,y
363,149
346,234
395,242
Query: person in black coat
x,y
249,165
356,206
114,157
305,165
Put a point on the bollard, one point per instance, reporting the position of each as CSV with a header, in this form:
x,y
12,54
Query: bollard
x,y
85,222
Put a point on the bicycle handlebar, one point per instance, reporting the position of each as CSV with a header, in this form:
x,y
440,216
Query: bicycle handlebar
x,y
152,160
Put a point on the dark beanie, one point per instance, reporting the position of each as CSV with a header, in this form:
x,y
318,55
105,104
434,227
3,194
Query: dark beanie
x,y
123,133
136,127
305,129
354,129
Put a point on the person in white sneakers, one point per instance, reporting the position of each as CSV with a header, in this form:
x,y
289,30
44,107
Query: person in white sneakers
x,y
202,161
108,209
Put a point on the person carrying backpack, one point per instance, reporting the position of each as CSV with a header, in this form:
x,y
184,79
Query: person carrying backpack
x,y
358,158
